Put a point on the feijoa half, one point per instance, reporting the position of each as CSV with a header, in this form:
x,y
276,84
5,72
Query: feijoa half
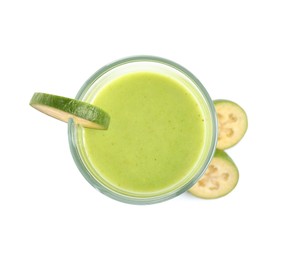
x,y
64,108
232,123
220,178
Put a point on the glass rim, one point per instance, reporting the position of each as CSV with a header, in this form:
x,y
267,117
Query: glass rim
x,y
133,199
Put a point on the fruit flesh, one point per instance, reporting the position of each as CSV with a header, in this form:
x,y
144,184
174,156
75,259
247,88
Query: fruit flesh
x,y
220,178
63,108
232,123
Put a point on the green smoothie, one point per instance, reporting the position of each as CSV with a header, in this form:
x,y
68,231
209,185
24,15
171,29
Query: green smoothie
x,y
155,137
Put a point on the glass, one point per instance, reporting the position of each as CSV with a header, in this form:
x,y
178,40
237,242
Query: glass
x,y
121,67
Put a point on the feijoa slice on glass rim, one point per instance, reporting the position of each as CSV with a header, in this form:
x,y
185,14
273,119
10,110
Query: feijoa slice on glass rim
x,y
64,108
232,123
220,178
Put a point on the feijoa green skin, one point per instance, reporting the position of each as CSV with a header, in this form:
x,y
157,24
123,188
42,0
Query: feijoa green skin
x,y
63,108
220,178
232,123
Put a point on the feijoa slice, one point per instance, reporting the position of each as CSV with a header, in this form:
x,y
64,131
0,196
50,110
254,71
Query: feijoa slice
x,y
64,108
232,123
220,178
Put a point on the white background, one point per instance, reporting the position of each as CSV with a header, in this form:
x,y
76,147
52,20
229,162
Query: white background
x,y
49,211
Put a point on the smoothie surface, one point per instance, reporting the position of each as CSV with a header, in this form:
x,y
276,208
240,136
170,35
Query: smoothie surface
x,y
155,137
